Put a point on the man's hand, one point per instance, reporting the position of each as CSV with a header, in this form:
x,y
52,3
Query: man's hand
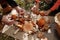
x,y
20,10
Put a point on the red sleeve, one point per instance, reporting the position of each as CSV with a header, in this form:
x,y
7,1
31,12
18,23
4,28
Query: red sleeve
x,y
56,5
37,0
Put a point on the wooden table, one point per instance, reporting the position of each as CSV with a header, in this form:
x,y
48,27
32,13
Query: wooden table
x,y
19,35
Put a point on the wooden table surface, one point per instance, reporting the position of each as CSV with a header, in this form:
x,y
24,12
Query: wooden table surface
x,y
19,35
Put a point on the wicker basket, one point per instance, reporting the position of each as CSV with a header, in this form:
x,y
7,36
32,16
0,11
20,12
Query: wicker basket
x,y
57,21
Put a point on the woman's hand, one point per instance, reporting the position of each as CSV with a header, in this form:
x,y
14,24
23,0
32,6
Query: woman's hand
x,y
47,12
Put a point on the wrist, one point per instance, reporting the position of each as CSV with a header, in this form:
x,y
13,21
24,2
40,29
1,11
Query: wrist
x,y
18,7
49,11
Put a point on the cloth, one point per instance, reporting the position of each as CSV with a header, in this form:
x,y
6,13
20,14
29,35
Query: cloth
x,y
10,2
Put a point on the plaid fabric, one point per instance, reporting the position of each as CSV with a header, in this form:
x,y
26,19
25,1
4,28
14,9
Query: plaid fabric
x,y
10,2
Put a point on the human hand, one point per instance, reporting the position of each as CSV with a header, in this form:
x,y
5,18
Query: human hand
x,y
6,21
47,12
11,22
20,10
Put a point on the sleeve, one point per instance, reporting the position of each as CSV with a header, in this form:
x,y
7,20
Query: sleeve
x,y
37,1
1,17
12,3
56,5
